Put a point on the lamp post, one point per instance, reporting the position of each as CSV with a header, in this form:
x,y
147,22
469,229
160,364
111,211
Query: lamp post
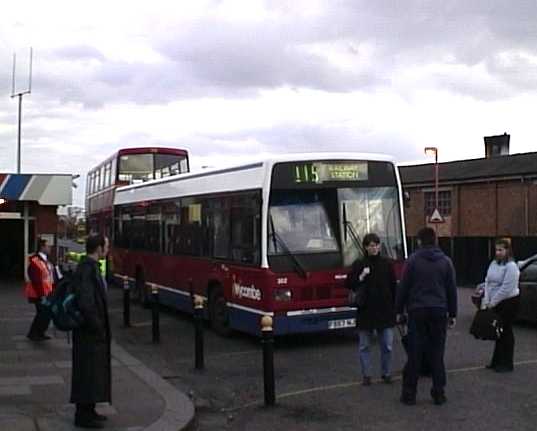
x,y
19,96
429,151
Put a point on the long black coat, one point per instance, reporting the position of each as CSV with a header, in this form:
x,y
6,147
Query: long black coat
x,y
378,310
91,375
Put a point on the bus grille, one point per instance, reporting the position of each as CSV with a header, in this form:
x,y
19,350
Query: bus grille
x,y
307,293
311,293
323,292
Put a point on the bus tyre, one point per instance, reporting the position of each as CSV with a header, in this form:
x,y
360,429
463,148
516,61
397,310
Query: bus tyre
x,y
218,312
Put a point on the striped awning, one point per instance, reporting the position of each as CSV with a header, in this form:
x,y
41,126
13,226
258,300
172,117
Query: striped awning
x,y
45,189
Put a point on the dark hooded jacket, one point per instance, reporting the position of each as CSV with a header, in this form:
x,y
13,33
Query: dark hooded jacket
x,y
428,281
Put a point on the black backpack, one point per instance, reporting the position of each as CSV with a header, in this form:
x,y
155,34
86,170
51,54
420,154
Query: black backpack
x,y
62,307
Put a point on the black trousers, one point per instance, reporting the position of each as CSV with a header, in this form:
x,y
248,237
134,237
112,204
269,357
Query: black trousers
x,y
85,410
41,321
426,334
505,346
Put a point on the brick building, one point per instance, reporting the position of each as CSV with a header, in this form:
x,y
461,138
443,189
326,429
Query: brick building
x,y
479,200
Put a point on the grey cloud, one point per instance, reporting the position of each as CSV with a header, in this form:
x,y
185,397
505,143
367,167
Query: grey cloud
x,y
304,138
124,82
248,55
206,59
517,71
450,26
79,52
414,33
210,58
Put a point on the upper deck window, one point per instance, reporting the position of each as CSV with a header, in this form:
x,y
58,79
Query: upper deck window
x,y
136,167
143,167
107,174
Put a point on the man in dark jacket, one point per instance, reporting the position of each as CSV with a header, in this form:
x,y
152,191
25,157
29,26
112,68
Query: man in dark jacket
x,y
91,373
428,293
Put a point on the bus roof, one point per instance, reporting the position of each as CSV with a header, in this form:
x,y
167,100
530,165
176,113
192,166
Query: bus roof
x,y
159,150
141,150
235,178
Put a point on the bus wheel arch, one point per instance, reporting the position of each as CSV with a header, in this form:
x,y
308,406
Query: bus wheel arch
x,y
218,309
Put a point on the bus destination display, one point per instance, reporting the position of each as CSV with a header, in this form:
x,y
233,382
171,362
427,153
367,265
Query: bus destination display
x,y
319,172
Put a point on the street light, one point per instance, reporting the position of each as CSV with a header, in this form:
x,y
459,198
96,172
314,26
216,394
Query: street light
x,y
429,151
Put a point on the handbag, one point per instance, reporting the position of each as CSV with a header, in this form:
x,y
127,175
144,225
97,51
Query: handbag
x,y
486,325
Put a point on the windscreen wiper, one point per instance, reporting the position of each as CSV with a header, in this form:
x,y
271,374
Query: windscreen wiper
x,y
276,239
354,235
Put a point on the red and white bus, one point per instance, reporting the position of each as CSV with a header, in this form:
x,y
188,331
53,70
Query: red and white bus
x,y
127,166
274,238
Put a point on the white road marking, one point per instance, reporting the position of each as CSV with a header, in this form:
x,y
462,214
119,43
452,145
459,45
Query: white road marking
x,y
358,383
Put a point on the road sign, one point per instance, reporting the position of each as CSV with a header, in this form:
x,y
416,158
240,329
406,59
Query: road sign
x,y
436,217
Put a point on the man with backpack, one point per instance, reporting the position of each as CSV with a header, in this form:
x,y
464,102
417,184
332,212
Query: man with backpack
x,y
91,371
39,286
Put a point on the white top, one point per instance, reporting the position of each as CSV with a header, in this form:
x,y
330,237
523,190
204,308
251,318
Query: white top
x,y
501,283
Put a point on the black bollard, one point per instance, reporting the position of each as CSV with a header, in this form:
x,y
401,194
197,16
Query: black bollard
x,y
126,303
155,314
268,360
198,327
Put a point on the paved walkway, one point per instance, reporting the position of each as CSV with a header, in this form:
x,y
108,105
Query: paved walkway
x,y
35,381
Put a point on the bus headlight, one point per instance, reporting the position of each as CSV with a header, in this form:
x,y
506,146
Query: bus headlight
x,y
282,294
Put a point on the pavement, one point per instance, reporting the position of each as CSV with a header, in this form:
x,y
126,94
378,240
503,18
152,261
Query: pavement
x,y
318,382
35,378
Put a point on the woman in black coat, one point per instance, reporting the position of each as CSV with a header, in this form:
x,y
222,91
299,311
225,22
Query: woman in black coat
x,y
91,373
374,281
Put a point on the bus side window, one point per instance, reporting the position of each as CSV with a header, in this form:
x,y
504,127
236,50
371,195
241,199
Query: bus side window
x,y
245,231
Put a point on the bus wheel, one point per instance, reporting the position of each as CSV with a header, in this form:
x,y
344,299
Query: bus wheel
x,y
218,312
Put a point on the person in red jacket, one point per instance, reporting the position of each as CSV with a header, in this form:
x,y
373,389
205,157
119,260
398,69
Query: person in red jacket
x,y
40,284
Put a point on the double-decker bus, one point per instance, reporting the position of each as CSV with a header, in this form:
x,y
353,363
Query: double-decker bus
x,y
274,238
127,166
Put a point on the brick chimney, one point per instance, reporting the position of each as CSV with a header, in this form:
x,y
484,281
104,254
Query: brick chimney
x,y
496,146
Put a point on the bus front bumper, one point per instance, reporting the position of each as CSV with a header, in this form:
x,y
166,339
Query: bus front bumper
x,y
315,320
294,322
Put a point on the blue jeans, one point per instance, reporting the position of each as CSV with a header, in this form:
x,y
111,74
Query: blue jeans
x,y
385,337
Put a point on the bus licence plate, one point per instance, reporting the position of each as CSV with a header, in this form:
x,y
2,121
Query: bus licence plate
x,y
341,323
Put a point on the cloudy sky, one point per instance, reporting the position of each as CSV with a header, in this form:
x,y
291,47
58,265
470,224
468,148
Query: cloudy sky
x,y
230,80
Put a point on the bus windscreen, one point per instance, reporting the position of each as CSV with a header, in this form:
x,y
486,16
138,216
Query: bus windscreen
x,y
327,207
